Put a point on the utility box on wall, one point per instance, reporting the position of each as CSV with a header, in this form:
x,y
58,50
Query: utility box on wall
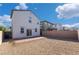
x,y
1,37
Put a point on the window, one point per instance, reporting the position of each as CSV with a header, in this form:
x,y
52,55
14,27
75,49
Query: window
x,y
37,22
29,32
22,30
35,29
30,19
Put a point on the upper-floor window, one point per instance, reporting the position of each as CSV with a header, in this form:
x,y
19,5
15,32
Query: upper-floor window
x,y
37,22
30,19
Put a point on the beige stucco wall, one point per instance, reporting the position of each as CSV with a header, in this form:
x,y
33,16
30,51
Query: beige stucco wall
x,y
62,34
1,36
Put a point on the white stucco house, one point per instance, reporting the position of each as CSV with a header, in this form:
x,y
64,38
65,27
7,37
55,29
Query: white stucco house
x,y
49,25
24,24
59,26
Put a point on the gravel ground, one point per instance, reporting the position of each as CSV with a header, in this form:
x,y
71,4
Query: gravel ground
x,y
43,46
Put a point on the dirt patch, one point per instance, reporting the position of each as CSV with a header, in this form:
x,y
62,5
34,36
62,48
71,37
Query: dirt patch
x,y
43,46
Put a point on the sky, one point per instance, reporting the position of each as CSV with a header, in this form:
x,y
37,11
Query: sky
x,y
61,13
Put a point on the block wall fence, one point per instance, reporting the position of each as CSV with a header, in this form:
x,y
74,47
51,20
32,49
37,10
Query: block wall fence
x,y
62,34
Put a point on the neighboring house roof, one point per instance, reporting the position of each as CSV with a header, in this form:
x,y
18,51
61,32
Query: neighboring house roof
x,y
48,22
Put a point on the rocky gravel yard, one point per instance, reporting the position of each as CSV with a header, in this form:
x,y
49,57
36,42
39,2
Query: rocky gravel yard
x,y
43,46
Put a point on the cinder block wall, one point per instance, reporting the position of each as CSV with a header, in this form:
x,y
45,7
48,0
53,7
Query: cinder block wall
x,y
61,34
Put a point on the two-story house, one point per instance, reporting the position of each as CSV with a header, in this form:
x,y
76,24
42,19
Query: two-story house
x,y
24,24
